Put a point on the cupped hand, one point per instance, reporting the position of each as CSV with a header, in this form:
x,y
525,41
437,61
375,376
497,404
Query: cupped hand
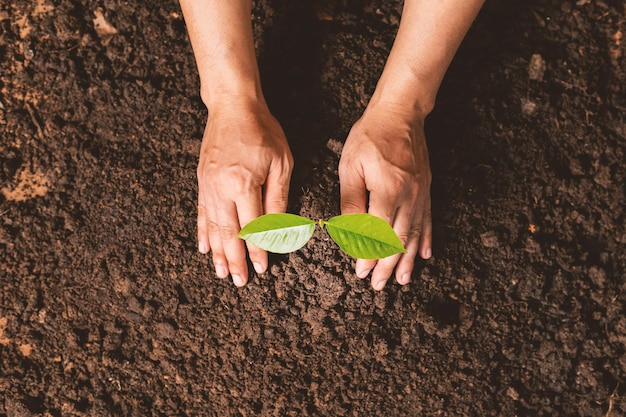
x,y
244,171
385,154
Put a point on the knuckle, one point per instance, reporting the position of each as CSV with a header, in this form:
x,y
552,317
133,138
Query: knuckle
x,y
284,169
398,181
384,268
350,206
346,168
280,201
412,234
228,232
237,266
213,227
289,162
218,257
227,181
204,170
415,232
428,215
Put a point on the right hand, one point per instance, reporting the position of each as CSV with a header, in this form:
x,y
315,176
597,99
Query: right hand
x,y
244,171
384,170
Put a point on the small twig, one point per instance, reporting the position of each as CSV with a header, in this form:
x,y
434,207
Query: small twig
x,y
606,332
34,119
65,49
225,305
608,411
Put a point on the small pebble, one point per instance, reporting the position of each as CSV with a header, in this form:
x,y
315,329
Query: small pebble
x,y
536,67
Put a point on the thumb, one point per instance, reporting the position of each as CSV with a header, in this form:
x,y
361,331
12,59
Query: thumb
x,y
277,186
354,200
353,190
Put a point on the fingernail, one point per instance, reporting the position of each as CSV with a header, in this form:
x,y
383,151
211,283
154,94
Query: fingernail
x,y
405,279
202,247
428,253
237,280
380,285
220,271
363,273
258,268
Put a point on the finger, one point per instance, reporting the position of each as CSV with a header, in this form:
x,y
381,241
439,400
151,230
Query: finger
x,y
426,238
203,214
406,262
407,225
215,242
203,231
363,267
248,209
384,206
384,268
352,189
354,200
234,248
415,240
277,186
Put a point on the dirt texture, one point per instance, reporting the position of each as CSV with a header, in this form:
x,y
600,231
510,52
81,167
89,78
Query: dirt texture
x,y
106,308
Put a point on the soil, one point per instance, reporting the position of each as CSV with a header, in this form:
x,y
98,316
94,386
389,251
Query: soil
x,y
106,308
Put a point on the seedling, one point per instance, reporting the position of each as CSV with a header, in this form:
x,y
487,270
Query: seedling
x,y
362,236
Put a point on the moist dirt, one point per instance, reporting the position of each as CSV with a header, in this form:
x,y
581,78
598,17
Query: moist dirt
x,y
106,307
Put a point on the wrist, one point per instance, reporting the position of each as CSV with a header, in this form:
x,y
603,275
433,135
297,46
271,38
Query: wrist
x,y
241,93
237,107
405,92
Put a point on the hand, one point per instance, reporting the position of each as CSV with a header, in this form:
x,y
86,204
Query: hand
x,y
244,171
385,154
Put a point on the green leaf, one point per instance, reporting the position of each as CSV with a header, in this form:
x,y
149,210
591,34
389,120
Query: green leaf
x,y
364,236
278,233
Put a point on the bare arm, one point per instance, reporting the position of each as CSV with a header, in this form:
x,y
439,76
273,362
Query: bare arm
x,y
221,37
386,152
429,35
245,162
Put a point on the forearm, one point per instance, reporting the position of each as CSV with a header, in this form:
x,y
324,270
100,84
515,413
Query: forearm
x,y
430,33
221,37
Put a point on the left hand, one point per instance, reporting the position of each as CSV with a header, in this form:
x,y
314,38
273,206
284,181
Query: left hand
x,y
385,154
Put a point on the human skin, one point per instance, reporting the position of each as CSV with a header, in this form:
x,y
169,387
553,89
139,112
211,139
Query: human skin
x,y
385,152
245,162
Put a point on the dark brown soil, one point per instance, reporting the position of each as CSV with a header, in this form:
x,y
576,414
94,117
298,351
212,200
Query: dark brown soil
x,y
106,308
